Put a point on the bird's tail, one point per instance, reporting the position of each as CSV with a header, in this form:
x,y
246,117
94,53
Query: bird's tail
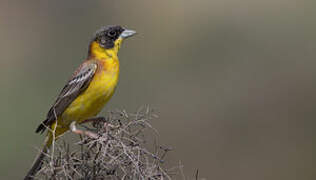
x,y
39,159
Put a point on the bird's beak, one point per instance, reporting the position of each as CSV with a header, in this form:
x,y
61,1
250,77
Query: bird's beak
x,y
127,33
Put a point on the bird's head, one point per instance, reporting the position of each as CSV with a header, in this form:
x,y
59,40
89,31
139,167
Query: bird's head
x,y
107,41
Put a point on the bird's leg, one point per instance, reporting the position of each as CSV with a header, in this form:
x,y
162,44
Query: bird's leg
x,y
95,120
74,129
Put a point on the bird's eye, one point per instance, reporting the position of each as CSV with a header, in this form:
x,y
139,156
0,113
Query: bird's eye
x,y
111,33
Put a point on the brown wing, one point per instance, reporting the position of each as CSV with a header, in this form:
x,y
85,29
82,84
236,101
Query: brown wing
x,y
76,85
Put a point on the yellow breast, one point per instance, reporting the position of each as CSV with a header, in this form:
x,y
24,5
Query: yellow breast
x,y
90,102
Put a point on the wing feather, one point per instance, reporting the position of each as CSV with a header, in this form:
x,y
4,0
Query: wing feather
x,y
74,87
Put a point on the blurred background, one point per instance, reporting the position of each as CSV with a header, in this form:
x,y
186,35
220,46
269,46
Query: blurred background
x,y
234,82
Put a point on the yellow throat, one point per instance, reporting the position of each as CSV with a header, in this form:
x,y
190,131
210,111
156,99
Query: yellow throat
x,y
100,53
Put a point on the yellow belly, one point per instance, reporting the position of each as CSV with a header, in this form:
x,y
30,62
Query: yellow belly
x,y
91,102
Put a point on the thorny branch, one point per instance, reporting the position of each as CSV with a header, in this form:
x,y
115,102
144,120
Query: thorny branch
x,y
114,148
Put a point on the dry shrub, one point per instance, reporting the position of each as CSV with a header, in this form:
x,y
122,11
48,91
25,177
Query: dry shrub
x,y
120,151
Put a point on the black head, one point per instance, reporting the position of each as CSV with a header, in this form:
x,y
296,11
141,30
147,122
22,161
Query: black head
x,y
106,36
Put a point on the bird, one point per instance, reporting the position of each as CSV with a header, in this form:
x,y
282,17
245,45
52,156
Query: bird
x,y
87,91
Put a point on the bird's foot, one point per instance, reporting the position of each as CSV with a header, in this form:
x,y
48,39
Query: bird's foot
x,y
74,129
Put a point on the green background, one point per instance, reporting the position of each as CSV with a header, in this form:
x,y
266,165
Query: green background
x,y
233,81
